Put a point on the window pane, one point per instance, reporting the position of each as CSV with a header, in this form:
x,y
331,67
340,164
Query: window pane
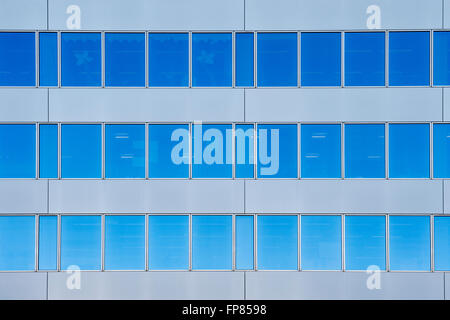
x,y
211,242
277,151
48,234
211,60
409,150
168,150
48,59
81,59
442,243
124,242
321,243
17,151
409,58
81,151
365,242
168,59
125,59
125,150
244,242
245,150
409,243
17,59
277,59
441,150
364,59
441,58
244,59
17,241
168,242
48,151
321,59
277,242
321,150
81,242
365,151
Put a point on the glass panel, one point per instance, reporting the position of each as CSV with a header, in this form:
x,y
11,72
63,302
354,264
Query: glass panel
x,y
48,59
48,151
244,242
441,150
245,157
48,245
441,58
244,59
442,243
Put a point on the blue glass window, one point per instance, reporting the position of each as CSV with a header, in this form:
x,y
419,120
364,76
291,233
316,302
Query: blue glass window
x,y
125,151
48,237
168,59
409,150
211,60
442,243
441,150
245,150
321,150
48,151
48,59
409,58
81,59
168,242
244,59
441,58
409,243
321,59
244,242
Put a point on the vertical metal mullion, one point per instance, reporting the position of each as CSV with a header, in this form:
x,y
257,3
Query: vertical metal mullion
x,y
37,49
432,242
386,58
255,151
431,33
102,227
255,243
59,150
431,157
58,45
146,242
58,242
342,150
299,146
190,59
103,53
233,59
342,58
36,243
299,242
299,39
233,240
255,59
388,267
103,150
146,156
190,149
233,149
386,150
343,242
190,242
38,147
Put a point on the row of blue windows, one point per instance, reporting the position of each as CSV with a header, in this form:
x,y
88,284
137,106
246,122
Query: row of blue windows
x,y
277,244
278,61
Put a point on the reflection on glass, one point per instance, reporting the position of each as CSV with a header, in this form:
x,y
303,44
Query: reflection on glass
x,y
245,153
244,242
48,59
48,151
441,58
244,59
441,150
48,237
442,243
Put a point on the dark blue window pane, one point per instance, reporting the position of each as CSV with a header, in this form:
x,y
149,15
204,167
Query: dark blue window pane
x,y
125,242
17,151
211,151
81,151
244,242
168,242
245,150
364,59
125,151
168,150
277,242
409,58
441,150
168,59
48,237
17,59
48,151
321,59
409,150
442,243
17,241
277,151
321,243
81,59
48,59
365,242
277,59
211,60
125,59
441,58
409,243
365,151
321,150
81,242
211,242
244,59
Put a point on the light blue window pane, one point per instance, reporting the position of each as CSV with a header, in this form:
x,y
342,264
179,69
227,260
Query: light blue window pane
x,y
409,243
321,150
48,237
125,151
244,242
365,242
277,151
48,59
365,151
245,151
321,59
409,58
442,243
441,150
211,151
168,59
81,242
125,59
409,150
277,242
211,60
244,59
81,59
81,151
17,241
125,242
211,242
17,59
364,59
168,150
277,59
441,58
321,243
168,242
17,151
48,151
